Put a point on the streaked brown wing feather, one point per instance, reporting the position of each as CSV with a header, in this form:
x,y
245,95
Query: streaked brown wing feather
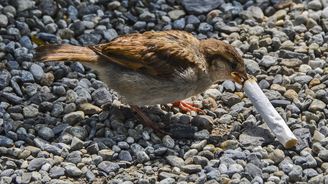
x,y
155,53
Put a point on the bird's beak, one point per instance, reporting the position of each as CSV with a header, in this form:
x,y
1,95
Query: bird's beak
x,y
239,77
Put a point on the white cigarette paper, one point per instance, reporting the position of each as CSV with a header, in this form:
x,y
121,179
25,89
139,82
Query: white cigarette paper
x,y
272,118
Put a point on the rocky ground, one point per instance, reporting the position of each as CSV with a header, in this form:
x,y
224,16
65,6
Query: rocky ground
x,y
53,130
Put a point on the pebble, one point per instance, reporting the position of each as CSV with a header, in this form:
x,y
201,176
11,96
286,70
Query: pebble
x,y
176,14
30,111
125,155
296,173
46,133
323,154
317,105
191,168
72,171
108,166
36,164
198,7
73,117
56,172
5,78
102,96
6,142
168,141
106,154
3,20
76,144
90,109
142,157
74,157
175,161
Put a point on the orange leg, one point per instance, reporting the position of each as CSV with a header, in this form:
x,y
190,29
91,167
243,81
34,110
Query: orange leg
x,y
187,107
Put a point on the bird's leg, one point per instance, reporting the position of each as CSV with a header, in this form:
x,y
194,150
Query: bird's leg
x,y
186,106
146,120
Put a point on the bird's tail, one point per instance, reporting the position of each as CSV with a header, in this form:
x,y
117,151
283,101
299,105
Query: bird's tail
x,y
65,53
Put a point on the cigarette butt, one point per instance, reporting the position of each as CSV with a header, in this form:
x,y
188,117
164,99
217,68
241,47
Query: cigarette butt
x,y
272,118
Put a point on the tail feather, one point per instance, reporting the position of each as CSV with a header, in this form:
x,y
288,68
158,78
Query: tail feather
x,y
65,53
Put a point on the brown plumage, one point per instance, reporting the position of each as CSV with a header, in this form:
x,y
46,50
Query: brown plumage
x,y
155,67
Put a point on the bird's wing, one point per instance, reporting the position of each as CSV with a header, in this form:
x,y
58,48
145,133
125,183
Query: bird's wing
x,y
154,53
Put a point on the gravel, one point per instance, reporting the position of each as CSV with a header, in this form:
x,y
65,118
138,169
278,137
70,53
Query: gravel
x,y
60,124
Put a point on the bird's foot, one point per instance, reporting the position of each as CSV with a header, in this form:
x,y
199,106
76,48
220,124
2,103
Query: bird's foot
x,y
147,121
187,107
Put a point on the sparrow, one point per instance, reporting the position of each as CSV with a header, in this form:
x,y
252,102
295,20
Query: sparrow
x,y
155,67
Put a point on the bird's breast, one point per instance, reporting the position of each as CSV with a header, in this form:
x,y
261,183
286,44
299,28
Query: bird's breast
x,y
140,89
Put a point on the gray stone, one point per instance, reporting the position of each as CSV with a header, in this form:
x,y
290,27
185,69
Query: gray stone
x,y
56,172
167,181
74,157
36,71
59,90
168,141
309,173
199,7
89,39
315,5
202,134
323,154
48,7
72,171
179,23
255,136
256,12
73,117
5,141
229,86
102,96
252,170
176,14
296,173
252,67
317,105
142,157
202,122
303,79
200,160
268,61
123,145
30,111
230,99
46,133
191,168
175,161
3,20
277,156
4,78
147,16
90,176
205,28
36,164
125,155
199,145
22,5
77,67
108,166
78,132
76,144
110,34
234,168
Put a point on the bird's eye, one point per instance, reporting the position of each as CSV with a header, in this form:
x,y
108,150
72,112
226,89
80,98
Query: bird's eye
x,y
233,65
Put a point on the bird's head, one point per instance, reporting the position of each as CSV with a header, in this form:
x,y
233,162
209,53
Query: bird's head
x,y
224,62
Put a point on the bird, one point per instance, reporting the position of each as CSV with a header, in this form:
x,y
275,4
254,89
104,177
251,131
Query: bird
x,y
155,67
